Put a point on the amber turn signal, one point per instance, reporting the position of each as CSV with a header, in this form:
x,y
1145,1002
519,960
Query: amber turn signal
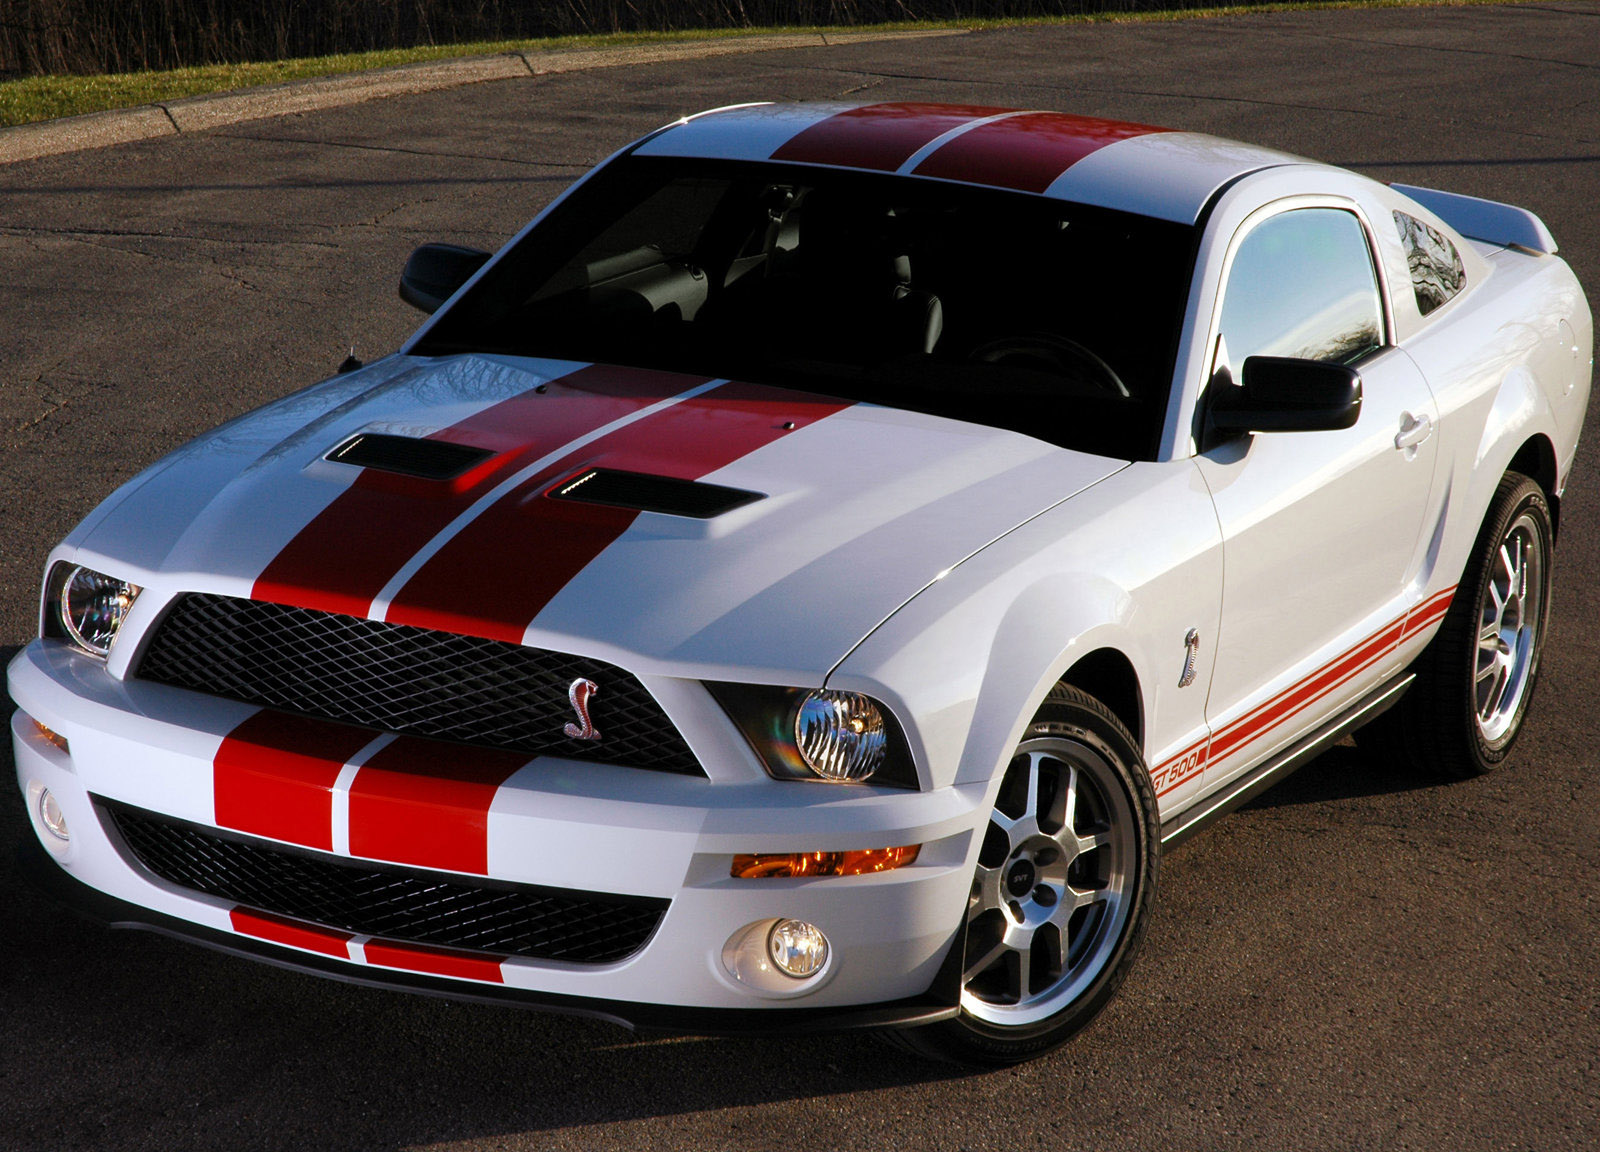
x,y
53,736
760,865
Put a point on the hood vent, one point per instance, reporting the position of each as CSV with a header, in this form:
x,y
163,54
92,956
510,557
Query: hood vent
x,y
653,493
408,455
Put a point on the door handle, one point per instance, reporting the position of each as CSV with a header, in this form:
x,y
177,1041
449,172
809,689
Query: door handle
x,y
1413,430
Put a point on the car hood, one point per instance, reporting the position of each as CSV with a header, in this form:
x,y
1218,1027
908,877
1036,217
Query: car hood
x,y
840,513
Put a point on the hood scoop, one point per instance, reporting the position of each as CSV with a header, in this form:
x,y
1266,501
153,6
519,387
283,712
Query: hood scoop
x,y
645,493
408,455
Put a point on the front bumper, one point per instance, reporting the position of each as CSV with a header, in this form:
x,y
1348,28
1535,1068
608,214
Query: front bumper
x,y
556,824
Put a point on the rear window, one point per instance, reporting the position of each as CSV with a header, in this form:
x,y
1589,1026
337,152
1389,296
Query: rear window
x,y
1000,308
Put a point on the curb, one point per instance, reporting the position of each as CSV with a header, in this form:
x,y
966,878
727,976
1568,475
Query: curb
x,y
200,113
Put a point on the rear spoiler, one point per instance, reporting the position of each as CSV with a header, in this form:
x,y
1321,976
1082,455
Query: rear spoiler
x,y
1486,220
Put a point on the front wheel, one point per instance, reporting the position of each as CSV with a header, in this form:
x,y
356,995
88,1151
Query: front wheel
x,y
1064,887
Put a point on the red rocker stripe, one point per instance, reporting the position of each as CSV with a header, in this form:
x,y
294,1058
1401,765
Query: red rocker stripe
x,y
426,803
273,776
879,136
540,544
1027,152
1295,699
342,559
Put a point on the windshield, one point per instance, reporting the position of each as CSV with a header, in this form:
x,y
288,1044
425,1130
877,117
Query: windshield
x,y
1058,320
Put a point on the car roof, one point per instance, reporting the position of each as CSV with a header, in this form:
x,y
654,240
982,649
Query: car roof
x,y
1140,168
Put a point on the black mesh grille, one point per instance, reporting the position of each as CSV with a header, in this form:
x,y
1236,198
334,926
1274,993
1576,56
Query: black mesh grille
x,y
394,903
402,679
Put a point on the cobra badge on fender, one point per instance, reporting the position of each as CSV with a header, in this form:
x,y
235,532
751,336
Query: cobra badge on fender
x,y
580,692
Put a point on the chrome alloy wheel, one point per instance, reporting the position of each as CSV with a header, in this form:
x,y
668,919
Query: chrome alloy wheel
x,y
1052,893
1509,616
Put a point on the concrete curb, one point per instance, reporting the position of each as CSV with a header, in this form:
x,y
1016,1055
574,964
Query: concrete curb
x,y
200,113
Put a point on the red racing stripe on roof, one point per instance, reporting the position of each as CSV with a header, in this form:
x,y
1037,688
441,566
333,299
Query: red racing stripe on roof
x,y
342,559
282,930
1027,152
878,136
495,575
274,774
426,803
435,961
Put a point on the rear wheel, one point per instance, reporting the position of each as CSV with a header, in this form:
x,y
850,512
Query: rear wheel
x,y
1476,678
1063,890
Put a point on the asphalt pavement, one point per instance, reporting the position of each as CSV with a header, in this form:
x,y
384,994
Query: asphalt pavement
x,y
1358,960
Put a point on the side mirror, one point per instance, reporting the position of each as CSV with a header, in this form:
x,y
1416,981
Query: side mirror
x,y
1280,394
434,273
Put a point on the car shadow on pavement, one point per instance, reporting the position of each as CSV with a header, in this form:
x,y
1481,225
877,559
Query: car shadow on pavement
x,y
1343,772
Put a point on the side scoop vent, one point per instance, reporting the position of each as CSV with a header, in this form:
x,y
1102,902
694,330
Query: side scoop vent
x,y
408,455
653,493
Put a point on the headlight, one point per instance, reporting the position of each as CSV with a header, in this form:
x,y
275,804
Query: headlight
x,y
87,607
819,734
840,735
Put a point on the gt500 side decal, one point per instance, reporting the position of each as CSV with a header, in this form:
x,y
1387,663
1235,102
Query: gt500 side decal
x,y
1239,734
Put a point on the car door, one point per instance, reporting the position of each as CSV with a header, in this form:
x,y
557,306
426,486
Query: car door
x,y
1322,531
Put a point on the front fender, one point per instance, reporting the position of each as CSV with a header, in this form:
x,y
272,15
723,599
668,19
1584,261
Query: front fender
x,y
1132,563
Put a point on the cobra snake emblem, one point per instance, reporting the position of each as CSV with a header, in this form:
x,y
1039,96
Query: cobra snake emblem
x,y
580,693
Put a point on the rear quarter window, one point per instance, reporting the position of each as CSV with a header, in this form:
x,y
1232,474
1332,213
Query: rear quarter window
x,y
1437,273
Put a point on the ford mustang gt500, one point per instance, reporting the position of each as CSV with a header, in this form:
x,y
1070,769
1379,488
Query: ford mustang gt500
x,y
804,578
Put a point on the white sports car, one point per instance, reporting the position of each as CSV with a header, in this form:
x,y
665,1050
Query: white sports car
x,y
804,578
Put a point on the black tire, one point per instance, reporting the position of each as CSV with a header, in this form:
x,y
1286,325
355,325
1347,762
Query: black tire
x,y
1461,718
1067,874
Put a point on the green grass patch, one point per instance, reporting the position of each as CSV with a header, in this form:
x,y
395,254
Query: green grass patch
x,y
38,98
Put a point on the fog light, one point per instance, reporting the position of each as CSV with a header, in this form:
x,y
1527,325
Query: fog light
x,y
52,817
797,948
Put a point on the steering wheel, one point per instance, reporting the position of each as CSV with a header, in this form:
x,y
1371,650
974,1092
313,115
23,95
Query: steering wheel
x,y
1044,352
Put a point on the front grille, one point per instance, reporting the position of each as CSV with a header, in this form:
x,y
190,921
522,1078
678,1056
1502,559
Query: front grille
x,y
397,678
394,903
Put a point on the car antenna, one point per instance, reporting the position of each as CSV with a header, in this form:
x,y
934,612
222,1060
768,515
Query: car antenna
x,y
349,363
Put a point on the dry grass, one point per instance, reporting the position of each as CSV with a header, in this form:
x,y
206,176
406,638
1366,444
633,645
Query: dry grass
x,y
49,97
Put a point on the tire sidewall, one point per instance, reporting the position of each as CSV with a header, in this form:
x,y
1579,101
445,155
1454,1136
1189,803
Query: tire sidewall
x,y
1074,715
1516,496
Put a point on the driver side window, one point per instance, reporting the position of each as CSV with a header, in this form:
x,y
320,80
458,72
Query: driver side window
x,y
1303,285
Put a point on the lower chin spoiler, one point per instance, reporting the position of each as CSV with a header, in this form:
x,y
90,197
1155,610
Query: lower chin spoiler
x,y
57,885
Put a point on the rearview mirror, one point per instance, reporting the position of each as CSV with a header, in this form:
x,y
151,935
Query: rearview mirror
x,y
434,273
1280,394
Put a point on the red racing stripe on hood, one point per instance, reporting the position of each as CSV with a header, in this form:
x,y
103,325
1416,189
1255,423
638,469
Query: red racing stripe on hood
x,y
878,136
426,802
495,575
342,559
274,775
1027,152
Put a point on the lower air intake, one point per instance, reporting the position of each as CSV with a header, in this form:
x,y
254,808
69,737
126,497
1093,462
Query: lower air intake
x,y
402,904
